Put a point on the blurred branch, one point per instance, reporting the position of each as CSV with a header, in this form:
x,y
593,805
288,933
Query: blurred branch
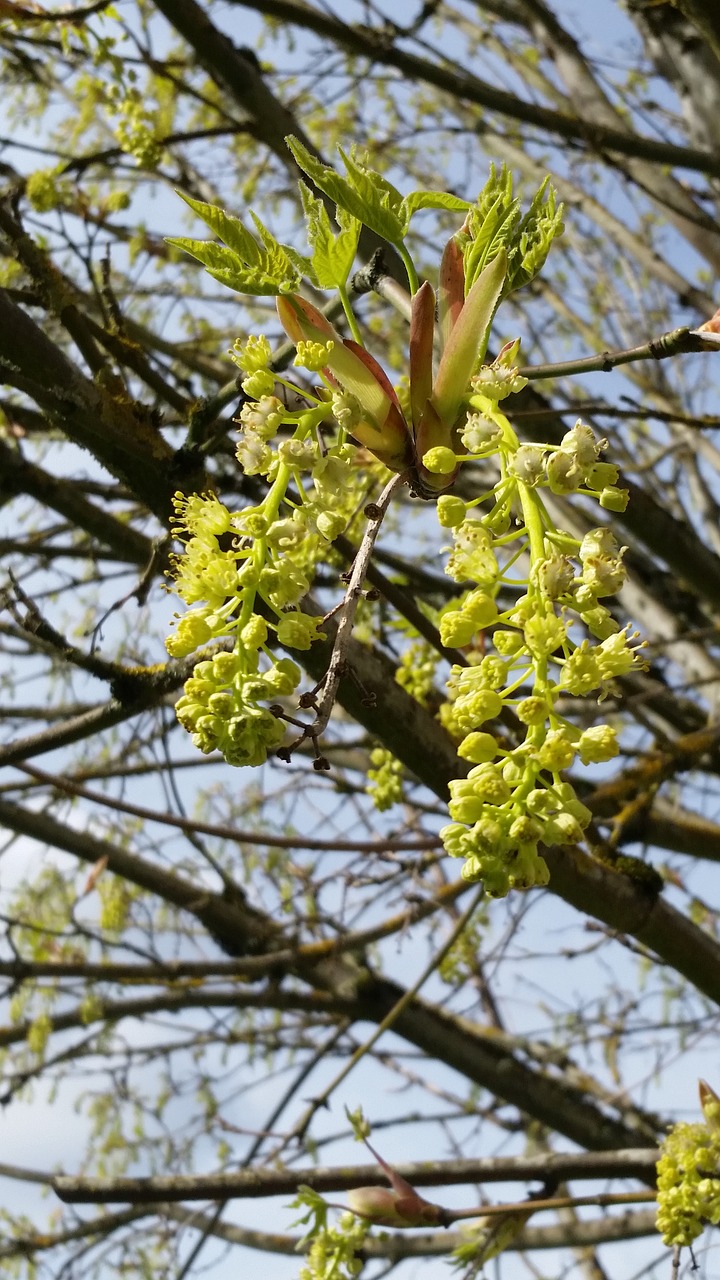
x,y
255,1183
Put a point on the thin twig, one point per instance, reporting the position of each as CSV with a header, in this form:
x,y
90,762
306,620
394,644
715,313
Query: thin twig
x,y
407,997
675,342
323,705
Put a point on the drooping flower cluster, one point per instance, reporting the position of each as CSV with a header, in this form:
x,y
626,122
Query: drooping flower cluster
x,y
245,574
515,799
688,1175
688,1183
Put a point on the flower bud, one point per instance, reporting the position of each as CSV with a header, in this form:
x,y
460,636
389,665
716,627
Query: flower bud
x,y
330,524
451,510
298,630
440,461
562,829
532,710
598,744
507,643
479,748
255,633
457,628
482,609
613,499
556,752
601,475
261,383
526,830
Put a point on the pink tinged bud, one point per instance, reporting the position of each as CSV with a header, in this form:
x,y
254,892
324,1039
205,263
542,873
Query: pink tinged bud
x,y
451,289
386,1209
422,330
375,1203
710,1104
384,430
467,340
300,319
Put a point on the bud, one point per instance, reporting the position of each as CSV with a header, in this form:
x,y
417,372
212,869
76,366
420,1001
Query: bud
x,y
710,1104
440,461
451,511
479,748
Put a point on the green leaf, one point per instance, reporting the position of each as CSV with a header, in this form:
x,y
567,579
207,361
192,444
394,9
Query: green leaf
x,y
224,265
381,201
333,255
230,230
268,268
496,222
431,200
364,193
542,224
316,1217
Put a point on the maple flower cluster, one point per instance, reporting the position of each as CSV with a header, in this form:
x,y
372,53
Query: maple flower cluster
x,y
687,1175
245,574
512,800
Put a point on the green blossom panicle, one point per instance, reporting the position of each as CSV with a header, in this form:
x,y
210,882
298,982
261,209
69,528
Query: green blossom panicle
x,y
530,609
384,779
244,573
515,800
688,1183
688,1175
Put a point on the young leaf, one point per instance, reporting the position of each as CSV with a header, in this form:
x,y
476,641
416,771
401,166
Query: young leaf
x,y
333,255
228,229
266,268
468,340
380,200
364,194
224,265
430,200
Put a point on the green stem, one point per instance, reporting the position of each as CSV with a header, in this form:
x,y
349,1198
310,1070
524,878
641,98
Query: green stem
x,y
533,517
350,314
412,275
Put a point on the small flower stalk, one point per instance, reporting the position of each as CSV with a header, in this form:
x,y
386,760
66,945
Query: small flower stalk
x,y
245,574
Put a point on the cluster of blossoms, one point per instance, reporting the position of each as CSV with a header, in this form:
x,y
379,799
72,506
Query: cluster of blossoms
x,y
513,800
136,128
333,1251
244,573
384,779
688,1177
446,415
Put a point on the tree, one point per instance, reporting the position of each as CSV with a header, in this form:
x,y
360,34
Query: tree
x,y
209,962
